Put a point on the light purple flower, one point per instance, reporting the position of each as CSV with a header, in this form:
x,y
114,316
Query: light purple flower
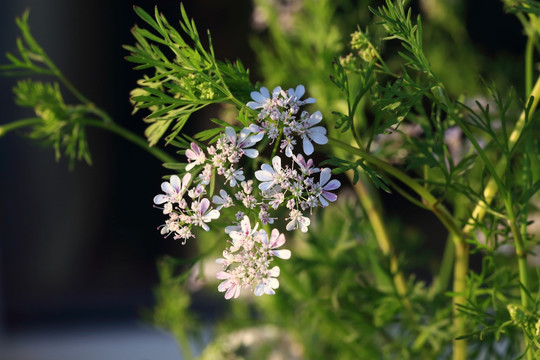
x,y
261,99
306,167
325,187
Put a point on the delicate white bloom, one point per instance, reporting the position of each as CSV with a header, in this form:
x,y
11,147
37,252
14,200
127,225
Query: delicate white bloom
x,y
174,190
222,201
270,175
230,285
268,284
242,237
295,95
288,144
244,141
316,134
261,99
203,214
276,240
246,263
195,156
306,167
234,176
298,221
197,191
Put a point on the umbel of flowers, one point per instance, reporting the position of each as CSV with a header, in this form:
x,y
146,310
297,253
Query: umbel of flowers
x,y
291,181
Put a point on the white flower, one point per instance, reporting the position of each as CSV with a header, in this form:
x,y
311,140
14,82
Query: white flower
x,y
231,285
195,156
244,236
298,221
316,134
268,175
326,187
174,190
306,167
267,285
203,214
222,201
244,140
295,95
262,99
234,176
276,240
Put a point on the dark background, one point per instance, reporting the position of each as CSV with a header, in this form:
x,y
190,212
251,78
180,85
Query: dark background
x,y
81,246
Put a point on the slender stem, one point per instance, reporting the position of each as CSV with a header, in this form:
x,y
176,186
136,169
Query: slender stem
x,y
183,343
383,239
461,267
134,138
529,52
4,129
522,264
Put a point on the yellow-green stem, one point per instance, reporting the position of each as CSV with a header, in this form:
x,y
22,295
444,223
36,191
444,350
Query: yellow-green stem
x,y
384,242
461,266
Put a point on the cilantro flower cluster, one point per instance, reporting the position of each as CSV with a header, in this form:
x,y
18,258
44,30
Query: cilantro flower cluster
x,y
246,262
290,185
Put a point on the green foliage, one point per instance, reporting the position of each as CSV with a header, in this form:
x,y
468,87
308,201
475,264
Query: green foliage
x,y
60,125
185,76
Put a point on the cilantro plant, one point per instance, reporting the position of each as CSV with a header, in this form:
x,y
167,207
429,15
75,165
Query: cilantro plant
x,y
359,92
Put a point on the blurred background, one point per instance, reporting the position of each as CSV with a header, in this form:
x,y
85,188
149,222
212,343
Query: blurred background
x,y
78,249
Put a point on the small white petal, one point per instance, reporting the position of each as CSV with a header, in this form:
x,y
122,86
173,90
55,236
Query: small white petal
x,y
282,254
167,188
315,118
308,146
175,182
325,176
251,153
263,175
300,91
160,199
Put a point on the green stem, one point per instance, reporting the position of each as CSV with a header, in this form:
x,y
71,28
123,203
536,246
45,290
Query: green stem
x,y
183,343
110,126
431,202
529,52
383,239
461,266
4,129
134,138
522,264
